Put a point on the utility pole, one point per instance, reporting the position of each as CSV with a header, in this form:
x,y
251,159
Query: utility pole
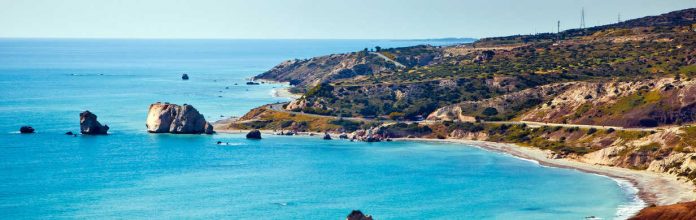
x,y
582,19
558,31
558,27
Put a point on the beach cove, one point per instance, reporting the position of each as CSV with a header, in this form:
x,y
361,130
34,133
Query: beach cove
x,y
131,173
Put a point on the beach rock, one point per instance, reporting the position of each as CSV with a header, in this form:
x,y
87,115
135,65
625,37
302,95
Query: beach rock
x,y
26,130
358,215
327,136
90,125
185,76
254,134
343,136
176,119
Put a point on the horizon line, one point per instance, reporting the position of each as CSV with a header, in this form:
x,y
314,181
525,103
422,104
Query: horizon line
x,y
164,38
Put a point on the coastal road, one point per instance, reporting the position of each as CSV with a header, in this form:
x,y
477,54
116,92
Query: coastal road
x,y
389,59
279,107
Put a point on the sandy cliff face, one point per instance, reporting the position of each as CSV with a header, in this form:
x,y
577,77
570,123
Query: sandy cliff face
x,y
172,118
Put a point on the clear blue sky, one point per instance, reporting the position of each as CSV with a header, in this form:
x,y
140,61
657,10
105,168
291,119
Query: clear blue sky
x,y
337,19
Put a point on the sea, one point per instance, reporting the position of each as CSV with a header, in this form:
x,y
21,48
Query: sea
x,y
132,174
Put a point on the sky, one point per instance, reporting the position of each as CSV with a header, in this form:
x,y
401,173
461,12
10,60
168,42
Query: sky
x,y
311,19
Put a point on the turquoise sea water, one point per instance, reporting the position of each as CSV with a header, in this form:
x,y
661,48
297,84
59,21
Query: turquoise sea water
x,y
133,174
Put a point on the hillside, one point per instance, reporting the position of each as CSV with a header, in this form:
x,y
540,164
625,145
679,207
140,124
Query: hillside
x,y
619,95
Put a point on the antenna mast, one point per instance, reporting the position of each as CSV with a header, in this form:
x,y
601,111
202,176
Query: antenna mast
x,y
619,18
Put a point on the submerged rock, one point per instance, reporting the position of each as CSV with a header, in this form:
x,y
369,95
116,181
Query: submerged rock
x,y
90,125
69,133
254,134
26,130
358,215
176,119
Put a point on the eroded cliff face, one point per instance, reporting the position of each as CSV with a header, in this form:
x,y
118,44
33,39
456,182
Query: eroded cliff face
x,y
506,106
176,119
645,103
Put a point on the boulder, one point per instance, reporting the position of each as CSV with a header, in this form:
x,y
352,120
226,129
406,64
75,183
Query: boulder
x,y
185,76
343,136
69,133
176,119
90,125
254,134
358,215
26,130
327,136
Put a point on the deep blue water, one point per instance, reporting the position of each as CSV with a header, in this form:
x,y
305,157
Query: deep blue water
x,y
133,174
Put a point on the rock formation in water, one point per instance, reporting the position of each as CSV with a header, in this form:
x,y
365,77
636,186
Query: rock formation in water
x,y
254,134
26,130
358,215
90,125
176,119
185,76
327,136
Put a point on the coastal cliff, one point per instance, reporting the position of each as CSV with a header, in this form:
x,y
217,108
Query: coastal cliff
x,y
620,95
176,119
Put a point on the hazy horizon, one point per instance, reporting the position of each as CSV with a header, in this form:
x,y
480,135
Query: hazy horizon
x,y
306,19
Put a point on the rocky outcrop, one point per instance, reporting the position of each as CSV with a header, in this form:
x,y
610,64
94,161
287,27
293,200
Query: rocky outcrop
x,y
358,215
176,119
184,76
327,136
26,130
679,211
254,134
89,124
368,135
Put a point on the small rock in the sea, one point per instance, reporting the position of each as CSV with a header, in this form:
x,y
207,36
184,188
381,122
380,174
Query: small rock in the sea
x,y
219,142
358,215
185,76
327,136
69,133
254,134
90,125
26,130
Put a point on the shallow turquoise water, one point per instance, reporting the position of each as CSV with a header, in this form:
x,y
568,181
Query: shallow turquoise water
x,y
133,174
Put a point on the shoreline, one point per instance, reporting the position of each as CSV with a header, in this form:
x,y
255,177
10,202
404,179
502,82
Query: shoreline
x,y
653,188
649,187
